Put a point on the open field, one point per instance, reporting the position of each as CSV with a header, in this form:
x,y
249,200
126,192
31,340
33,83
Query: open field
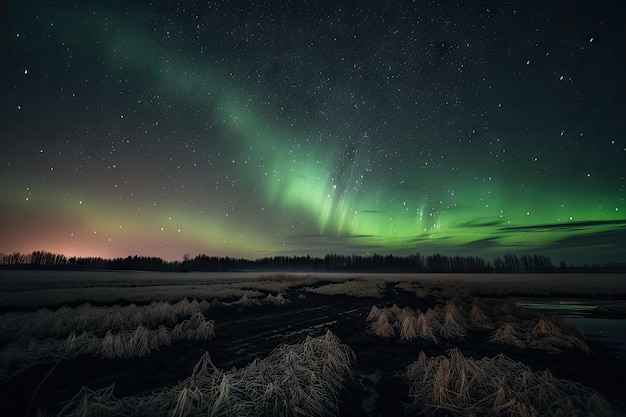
x,y
120,343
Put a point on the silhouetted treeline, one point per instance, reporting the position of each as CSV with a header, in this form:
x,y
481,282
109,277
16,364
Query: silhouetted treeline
x,y
436,263
526,263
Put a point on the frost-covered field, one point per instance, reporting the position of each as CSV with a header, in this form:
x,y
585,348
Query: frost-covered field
x,y
162,344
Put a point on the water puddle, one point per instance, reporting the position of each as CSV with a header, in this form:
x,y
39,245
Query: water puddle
x,y
560,307
611,331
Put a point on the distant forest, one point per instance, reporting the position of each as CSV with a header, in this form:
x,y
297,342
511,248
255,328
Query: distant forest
x,y
415,263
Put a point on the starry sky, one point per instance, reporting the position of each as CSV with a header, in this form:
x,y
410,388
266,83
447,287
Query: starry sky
x,y
253,129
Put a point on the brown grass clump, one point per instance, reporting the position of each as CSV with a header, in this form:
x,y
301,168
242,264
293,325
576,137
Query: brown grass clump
x,y
408,325
427,326
91,403
554,334
454,321
45,323
127,345
496,386
294,380
545,328
245,301
78,344
374,313
282,277
383,325
352,288
450,321
551,334
194,328
27,352
507,335
447,321
277,299
394,312
478,319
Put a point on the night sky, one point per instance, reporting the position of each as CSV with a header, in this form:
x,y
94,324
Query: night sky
x,y
294,128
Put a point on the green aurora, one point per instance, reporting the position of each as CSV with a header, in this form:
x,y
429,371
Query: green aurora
x,y
242,166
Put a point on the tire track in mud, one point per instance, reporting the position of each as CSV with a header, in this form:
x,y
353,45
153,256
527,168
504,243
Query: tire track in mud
x,y
253,333
377,389
242,336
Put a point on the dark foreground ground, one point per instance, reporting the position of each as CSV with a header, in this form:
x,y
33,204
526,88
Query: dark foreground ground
x,y
243,334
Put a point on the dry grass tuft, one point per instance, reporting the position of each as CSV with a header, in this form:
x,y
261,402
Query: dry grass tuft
x,y
549,333
245,301
496,386
90,403
277,299
194,328
45,323
294,380
554,335
352,288
409,329
428,326
24,353
448,321
478,319
383,326
374,313
394,312
507,335
454,321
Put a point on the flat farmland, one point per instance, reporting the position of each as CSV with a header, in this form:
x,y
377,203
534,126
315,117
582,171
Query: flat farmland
x,y
108,343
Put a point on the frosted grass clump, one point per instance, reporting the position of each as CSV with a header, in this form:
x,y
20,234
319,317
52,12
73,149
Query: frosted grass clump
x,y
507,335
373,314
554,335
20,355
427,326
352,288
65,320
279,282
496,386
195,328
394,311
478,318
277,299
187,308
304,379
409,326
383,326
250,299
98,403
455,322
110,294
548,333
125,345
448,321
245,301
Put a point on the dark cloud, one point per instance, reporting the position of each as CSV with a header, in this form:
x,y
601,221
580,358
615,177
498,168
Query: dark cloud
x,y
580,225
487,243
482,223
604,240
